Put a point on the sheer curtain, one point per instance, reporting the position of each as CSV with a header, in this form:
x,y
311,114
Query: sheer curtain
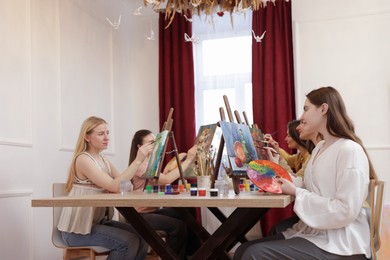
x,y
223,66
222,63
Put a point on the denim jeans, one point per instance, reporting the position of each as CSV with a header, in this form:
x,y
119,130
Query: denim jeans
x,y
125,243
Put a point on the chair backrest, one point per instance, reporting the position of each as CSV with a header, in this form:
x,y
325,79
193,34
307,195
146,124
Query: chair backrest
x,y
58,190
375,201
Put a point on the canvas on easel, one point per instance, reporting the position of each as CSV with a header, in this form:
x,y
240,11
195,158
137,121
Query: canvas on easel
x,y
158,153
153,168
239,144
239,141
157,157
205,136
259,142
204,141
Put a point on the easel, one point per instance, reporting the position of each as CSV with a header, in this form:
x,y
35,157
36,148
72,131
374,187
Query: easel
x,y
168,126
229,172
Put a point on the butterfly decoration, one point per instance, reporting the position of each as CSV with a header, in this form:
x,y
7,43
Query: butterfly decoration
x,y
196,3
115,25
154,2
192,39
258,38
239,9
151,37
264,174
187,19
137,11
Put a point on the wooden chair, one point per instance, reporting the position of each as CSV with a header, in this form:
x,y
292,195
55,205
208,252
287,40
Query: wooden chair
x,y
375,201
71,252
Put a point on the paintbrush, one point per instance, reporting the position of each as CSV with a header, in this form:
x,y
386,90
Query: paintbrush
x,y
272,150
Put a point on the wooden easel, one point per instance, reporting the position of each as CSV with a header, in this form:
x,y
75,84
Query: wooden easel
x,y
168,126
229,172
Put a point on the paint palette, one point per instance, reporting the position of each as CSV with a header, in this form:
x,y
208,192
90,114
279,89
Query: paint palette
x,y
263,174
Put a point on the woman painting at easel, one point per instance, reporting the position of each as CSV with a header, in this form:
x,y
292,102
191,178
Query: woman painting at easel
x,y
181,240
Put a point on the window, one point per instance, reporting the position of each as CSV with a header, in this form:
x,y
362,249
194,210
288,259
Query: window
x,y
223,66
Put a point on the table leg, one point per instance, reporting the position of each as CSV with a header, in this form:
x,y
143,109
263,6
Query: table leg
x,y
193,224
221,217
148,234
226,236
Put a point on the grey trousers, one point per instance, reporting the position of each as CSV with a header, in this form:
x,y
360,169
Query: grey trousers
x,y
278,248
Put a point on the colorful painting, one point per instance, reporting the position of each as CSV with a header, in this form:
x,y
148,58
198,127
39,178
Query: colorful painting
x,y
239,145
155,158
204,141
205,136
259,142
264,175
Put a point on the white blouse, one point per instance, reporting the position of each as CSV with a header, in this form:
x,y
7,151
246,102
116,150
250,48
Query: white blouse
x,y
330,207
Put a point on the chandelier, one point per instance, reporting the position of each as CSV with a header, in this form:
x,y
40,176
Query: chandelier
x,y
208,7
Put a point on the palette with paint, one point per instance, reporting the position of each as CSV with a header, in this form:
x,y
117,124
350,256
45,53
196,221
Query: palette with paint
x,y
263,174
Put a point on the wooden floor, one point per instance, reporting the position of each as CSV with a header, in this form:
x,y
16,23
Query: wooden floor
x,y
149,257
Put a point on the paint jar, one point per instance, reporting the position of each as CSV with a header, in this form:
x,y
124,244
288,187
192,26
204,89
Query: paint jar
x,y
213,192
155,188
202,192
193,191
148,189
168,188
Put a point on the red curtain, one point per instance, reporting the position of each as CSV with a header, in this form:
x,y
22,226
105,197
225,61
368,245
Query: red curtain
x,y
273,81
176,79
176,82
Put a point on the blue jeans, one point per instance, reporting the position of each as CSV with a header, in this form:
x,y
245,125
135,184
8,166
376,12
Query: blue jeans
x,y
121,238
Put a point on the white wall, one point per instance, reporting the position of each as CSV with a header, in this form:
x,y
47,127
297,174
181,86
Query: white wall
x,y
345,44
61,61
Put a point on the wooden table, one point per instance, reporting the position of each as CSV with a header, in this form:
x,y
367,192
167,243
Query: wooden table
x,y
250,207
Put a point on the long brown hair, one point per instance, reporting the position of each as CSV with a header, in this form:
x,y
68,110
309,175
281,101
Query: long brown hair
x,y
87,127
339,123
137,140
294,134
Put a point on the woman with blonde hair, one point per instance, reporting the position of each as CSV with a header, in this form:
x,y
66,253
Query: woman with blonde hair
x,y
92,173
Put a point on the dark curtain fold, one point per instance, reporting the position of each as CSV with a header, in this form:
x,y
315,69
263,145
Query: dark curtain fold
x,y
176,79
273,81
176,82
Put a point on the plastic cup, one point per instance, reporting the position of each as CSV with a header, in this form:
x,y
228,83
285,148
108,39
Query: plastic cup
x,y
125,186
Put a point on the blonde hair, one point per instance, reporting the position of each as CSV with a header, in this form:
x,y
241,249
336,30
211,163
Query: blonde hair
x,y
87,127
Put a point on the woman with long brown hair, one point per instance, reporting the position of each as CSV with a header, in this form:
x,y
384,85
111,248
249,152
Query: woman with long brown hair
x,y
333,223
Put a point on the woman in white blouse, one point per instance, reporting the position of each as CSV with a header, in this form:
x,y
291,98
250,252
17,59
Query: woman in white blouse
x,y
333,223
91,173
